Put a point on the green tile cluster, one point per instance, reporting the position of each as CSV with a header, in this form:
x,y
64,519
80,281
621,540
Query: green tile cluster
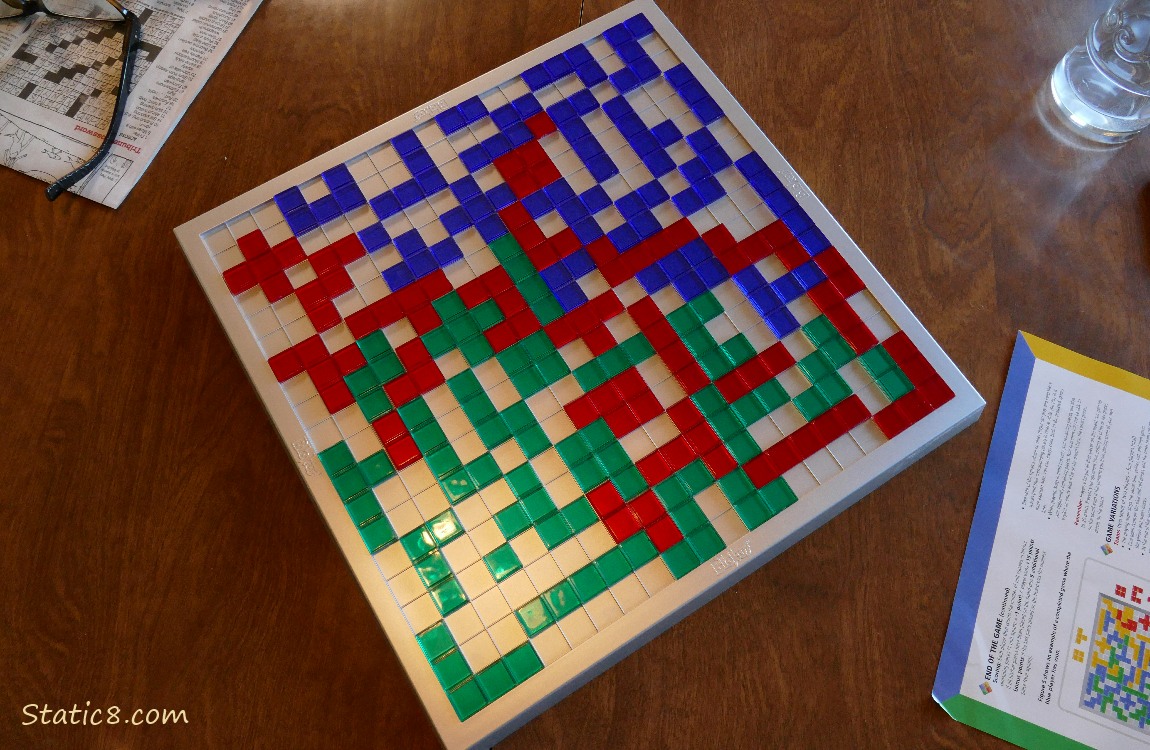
x,y
423,546
715,359
594,455
534,507
366,383
887,375
526,279
441,458
614,361
353,482
533,364
730,422
756,506
496,427
469,692
462,328
701,541
548,608
821,369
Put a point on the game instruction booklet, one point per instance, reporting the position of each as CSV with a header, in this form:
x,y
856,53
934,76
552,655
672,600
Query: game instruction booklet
x,y
1049,638
58,79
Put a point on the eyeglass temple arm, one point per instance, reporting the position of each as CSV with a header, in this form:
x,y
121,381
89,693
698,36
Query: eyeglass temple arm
x,y
131,39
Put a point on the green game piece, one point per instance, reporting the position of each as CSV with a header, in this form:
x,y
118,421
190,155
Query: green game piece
x,y
630,483
681,559
819,331
349,484
518,417
838,351
441,459
777,495
811,403
417,543
464,329
684,320
709,401
833,388
448,596
505,248
588,582
638,349
614,361
376,468
374,345
589,474
387,367
706,542
513,359
639,550
706,306
696,477
415,414
749,409
444,527
743,447
688,516
457,486
598,435
502,562
894,384
815,366
672,492
523,481
772,394
533,441
528,382
614,458
436,641
737,486
451,669
534,617
753,511
378,534
439,341
476,351
700,342
579,515
364,509
573,449
726,424
876,361
467,699
537,345
495,681
428,436
336,459
613,566
523,662
361,381
479,408
492,431
512,521
464,385
486,314
553,530
483,471
738,349
714,363
552,368
449,306
432,569
537,504
590,375
374,404
561,600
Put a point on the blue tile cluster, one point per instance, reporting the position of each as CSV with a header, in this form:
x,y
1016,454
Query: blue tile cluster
x,y
296,211
562,278
641,139
692,92
692,270
782,203
638,67
769,299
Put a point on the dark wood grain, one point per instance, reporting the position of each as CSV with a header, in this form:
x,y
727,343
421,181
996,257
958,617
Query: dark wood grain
x,y
157,548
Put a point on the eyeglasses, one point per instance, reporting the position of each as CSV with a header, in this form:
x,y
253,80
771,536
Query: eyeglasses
x,y
87,10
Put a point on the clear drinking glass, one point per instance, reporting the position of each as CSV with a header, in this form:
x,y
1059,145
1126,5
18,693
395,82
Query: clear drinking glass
x,y
1102,87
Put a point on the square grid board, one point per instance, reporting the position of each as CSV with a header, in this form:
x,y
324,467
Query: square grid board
x,y
563,354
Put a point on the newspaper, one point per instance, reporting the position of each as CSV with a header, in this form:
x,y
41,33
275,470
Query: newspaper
x,y
58,79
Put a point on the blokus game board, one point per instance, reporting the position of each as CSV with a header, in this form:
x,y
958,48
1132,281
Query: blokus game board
x,y
563,354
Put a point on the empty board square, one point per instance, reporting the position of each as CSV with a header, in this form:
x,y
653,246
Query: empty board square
x,y
570,340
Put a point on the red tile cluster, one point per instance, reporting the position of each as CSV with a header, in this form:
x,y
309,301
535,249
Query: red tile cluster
x,y
588,322
528,168
806,441
398,443
644,513
930,390
669,346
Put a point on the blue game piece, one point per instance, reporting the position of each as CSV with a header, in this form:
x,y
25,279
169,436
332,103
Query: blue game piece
x,y
814,241
652,278
787,287
473,109
617,35
385,205
643,143
337,177
751,165
584,102
373,237
667,133
645,69
696,251
692,91
624,80
601,167
519,134
555,276
586,147
349,197
491,228
497,145
639,26
709,190
301,220
765,300
418,161
688,201
406,142
561,111
809,275
558,66
591,73
431,182
749,280
456,220
679,76
578,55
465,188
422,264
631,124
479,207
780,202
659,163
505,116
716,159
527,105
689,285
796,220
579,263
572,211
475,158
782,323
410,243
674,264
653,194
707,110
408,193
587,230
630,205
701,140
595,199
450,120
325,209
616,108
624,237
501,196
536,77
630,51
398,276
538,204
694,170
559,191
712,272
289,200
446,251
570,296
574,129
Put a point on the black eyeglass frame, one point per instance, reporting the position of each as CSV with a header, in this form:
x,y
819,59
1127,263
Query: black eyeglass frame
x,y
127,58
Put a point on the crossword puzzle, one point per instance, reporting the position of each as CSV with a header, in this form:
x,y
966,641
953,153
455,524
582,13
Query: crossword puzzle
x,y
1117,684
557,347
78,74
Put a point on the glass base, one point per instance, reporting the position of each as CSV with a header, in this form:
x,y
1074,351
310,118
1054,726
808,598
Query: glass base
x,y
1081,118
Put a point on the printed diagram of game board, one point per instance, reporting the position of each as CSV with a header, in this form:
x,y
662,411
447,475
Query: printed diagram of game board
x,y
75,69
1117,656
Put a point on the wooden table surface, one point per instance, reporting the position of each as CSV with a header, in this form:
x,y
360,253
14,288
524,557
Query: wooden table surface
x,y
158,550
